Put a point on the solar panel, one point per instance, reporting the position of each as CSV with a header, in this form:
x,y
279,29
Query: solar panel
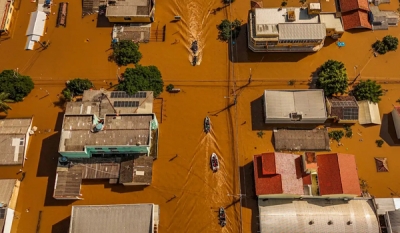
x,y
123,94
126,104
2,213
350,114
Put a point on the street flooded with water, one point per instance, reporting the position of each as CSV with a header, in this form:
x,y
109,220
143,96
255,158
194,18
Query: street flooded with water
x,y
188,192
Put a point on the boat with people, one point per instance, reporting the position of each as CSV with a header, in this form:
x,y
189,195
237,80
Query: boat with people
x,y
214,162
222,217
194,47
194,61
207,125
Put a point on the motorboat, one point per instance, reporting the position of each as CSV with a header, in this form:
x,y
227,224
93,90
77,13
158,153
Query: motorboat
x,y
207,125
222,217
214,162
194,47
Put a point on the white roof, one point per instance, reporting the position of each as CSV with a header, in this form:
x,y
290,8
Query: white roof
x,y
136,218
331,21
306,31
288,215
368,113
36,23
280,103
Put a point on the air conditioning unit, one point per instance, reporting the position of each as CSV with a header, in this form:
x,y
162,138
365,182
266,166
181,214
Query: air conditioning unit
x,y
296,116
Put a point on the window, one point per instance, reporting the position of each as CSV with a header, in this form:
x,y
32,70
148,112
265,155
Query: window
x,y
113,148
127,18
98,148
2,213
21,141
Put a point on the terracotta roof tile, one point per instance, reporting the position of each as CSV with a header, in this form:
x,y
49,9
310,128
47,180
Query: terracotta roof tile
x,y
337,174
356,19
287,177
349,5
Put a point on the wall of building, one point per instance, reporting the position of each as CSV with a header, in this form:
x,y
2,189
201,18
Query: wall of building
x,y
8,220
12,204
8,17
131,19
396,120
278,196
289,121
89,150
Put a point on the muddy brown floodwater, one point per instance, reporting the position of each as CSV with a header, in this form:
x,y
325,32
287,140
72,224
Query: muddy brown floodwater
x,y
206,90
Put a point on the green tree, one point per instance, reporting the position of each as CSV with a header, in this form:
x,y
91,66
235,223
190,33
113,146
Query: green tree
x,y
332,78
368,90
67,94
170,87
16,85
142,78
229,30
78,86
380,47
126,52
391,42
3,102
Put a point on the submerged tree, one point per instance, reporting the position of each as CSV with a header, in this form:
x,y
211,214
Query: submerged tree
x,y
3,102
332,78
17,86
368,90
229,30
380,47
126,52
142,78
391,42
78,86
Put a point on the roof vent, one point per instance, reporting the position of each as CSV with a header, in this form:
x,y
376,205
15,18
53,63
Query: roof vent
x,y
296,116
330,222
311,222
349,223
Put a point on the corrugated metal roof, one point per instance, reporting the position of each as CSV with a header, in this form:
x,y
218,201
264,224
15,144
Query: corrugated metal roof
x,y
136,218
280,103
368,113
315,31
294,216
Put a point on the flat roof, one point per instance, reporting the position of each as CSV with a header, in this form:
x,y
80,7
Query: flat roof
x,y
331,21
368,113
138,170
312,215
138,218
303,31
281,103
128,8
6,191
13,140
316,139
122,130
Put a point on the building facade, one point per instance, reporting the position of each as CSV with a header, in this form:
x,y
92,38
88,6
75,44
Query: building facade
x,y
6,12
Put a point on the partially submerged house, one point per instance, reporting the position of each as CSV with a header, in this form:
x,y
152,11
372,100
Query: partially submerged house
x,y
9,189
6,12
14,140
294,106
125,218
35,29
368,113
301,140
396,120
388,210
382,20
130,11
108,135
343,109
355,14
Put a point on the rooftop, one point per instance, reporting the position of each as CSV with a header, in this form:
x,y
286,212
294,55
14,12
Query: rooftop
x,y
313,216
278,173
13,140
337,174
316,139
137,171
356,19
368,113
381,165
282,103
128,8
344,107
304,31
138,218
326,5
349,5
3,7
6,191
331,21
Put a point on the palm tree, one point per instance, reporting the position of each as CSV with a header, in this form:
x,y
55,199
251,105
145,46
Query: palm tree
x,y
3,102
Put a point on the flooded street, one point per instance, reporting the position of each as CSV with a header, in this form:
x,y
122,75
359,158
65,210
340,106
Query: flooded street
x,y
188,192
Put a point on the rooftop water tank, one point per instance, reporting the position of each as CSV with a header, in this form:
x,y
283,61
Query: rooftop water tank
x,y
98,127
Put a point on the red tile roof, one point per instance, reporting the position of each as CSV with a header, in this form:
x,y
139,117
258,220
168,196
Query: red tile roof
x,y
349,5
279,173
337,174
397,109
356,19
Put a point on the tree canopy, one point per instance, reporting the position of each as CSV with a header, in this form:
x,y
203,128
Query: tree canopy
x,y
142,78
15,85
368,90
126,52
389,43
78,86
229,30
332,78
380,47
3,102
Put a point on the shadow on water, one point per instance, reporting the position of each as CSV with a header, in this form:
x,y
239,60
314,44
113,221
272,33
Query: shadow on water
x,y
62,226
388,131
102,22
249,201
118,188
241,52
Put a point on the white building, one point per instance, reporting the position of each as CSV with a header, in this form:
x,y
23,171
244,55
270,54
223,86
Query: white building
x,y
396,120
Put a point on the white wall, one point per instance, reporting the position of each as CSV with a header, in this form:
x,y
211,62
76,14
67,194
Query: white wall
x,y
396,120
8,221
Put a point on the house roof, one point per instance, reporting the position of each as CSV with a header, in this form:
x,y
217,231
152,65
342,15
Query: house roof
x,y
280,104
316,139
344,107
294,216
397,109
337,174
303,31
129,8
136,218
368,113
356,19
381,165
278,173
349,5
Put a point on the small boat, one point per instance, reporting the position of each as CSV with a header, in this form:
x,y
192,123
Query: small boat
x,y
207,125
194,47
194,61
222,217
214,162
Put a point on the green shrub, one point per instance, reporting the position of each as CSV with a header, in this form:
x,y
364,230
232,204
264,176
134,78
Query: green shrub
x,y
336,135
15,85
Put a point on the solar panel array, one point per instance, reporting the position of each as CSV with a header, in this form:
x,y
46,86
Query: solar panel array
x,y
350,114
344,104
123,94
126,104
